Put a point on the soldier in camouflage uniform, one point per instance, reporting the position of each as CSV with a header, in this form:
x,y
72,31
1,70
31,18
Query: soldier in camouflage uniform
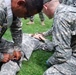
x,y
49,32
46,45
63,61
11,52
34,44
41,16
67,61
6,18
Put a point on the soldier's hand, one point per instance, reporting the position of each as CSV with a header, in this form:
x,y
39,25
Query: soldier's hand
x,y
37,36
17,55
6,57
42,38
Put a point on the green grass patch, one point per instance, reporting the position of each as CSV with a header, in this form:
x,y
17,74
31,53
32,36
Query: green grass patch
x,y
36,65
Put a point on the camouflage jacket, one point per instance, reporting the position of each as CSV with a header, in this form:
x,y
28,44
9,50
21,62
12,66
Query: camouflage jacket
x,y
64,27
67,2
7,20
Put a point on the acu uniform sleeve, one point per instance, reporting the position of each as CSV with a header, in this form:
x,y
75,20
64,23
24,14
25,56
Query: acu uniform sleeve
x,y
2,20
48,33
49,45
61,40
16,31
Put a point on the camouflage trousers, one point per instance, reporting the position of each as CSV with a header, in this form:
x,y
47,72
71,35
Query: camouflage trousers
x,y
67,68
41,16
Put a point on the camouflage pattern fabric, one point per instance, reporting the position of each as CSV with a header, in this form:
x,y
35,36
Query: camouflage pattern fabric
x,y
7,20
9,68
63,61
69,2
67,68
13,66
41,16
30,44
48,33
27,49
66,2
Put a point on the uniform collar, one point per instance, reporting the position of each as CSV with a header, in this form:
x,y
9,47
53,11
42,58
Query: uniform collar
x,y
9,12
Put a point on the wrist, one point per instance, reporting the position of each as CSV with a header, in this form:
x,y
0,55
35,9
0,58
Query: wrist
x,y
41,34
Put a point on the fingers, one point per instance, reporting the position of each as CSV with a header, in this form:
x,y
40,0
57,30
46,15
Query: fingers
x,y
6,58
42,38
37,36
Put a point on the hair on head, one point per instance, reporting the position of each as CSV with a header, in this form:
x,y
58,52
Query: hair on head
x,y
45,1
34,5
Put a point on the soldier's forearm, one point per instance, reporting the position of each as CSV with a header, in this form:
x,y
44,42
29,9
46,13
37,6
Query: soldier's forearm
x,y
48,33
49,45
16,30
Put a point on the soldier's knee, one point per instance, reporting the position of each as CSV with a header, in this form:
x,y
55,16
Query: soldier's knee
x,y
51,71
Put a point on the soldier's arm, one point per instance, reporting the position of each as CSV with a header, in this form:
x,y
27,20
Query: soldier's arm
x,y
47,45
16,32
2,20
48,33
63,50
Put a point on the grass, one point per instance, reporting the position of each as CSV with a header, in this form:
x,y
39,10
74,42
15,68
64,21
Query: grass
x,y
37,63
